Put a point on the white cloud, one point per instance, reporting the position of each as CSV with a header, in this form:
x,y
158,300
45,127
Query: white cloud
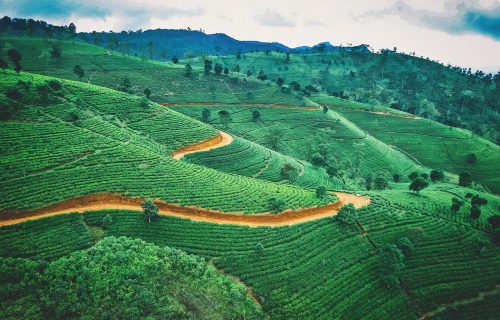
x,y
273,19
297,23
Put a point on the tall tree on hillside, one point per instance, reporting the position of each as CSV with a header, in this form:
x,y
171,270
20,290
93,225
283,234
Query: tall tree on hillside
x,y
465,179
78,70
72,30
3,65
347,214
255,115
225,118
280,81
147,93
218,68
226,71
418,184
175,59
207,66
436,175
205,115
15,57
150,210
188,70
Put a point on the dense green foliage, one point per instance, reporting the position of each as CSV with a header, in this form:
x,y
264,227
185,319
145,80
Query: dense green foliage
x,y
142,281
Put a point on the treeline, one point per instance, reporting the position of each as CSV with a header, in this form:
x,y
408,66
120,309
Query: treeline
x,y
39,28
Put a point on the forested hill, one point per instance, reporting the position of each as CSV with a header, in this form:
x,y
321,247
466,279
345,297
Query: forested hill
x,y
449,94
165,43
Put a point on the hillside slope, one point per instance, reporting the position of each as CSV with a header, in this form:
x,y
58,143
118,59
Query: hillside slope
x,y
65,139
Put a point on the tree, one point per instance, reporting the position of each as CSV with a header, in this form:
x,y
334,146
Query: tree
x,y
274,137
72,30
347,214
380,183
280,81
56,52
368,182
406,246
226,71
147,93
325,109
150,210
456,204
295,85
289,172
125,85
471,158
188,70
15,57
317,159
464,179
396,177
436,175
207,66
477,201
78,70
390,265
276,205
413,175
3,65
225,118
320,192
418,184
107,221
236,68
175,59
262,76
494,221
205,115
255,115
424,176
249,73
475,212
218,68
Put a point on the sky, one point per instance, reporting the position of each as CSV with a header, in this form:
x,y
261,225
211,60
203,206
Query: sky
x,y
460,32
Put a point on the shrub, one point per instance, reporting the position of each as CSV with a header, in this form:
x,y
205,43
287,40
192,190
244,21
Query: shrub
x,y
320,191
396,177
347,214
276,205
465,179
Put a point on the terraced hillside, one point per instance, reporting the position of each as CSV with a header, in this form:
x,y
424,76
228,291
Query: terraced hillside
x,y
313,270
430,143
300,133
65,139
167,81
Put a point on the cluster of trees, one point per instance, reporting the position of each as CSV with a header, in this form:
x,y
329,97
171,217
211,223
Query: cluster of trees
x,y
476,202
392,260
121,278
31,27
15,57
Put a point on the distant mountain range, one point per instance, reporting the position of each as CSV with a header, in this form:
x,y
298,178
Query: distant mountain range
x,y
166,43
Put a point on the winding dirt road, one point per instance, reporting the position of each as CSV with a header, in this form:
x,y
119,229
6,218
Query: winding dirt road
x,y
119,202
261,105
220,140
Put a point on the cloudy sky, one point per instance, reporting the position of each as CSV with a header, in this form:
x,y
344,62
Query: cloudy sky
x,y
460,32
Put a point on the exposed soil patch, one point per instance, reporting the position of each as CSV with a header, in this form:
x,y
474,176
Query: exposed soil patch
x,y
213,104
220,140
119,202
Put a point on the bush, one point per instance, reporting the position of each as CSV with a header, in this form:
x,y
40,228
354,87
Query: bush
x,y
276,205
465,179
347,214
396,177
320,192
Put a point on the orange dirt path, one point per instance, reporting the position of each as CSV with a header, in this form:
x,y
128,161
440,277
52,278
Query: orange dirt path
x,y
215,104
220,140
119,202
